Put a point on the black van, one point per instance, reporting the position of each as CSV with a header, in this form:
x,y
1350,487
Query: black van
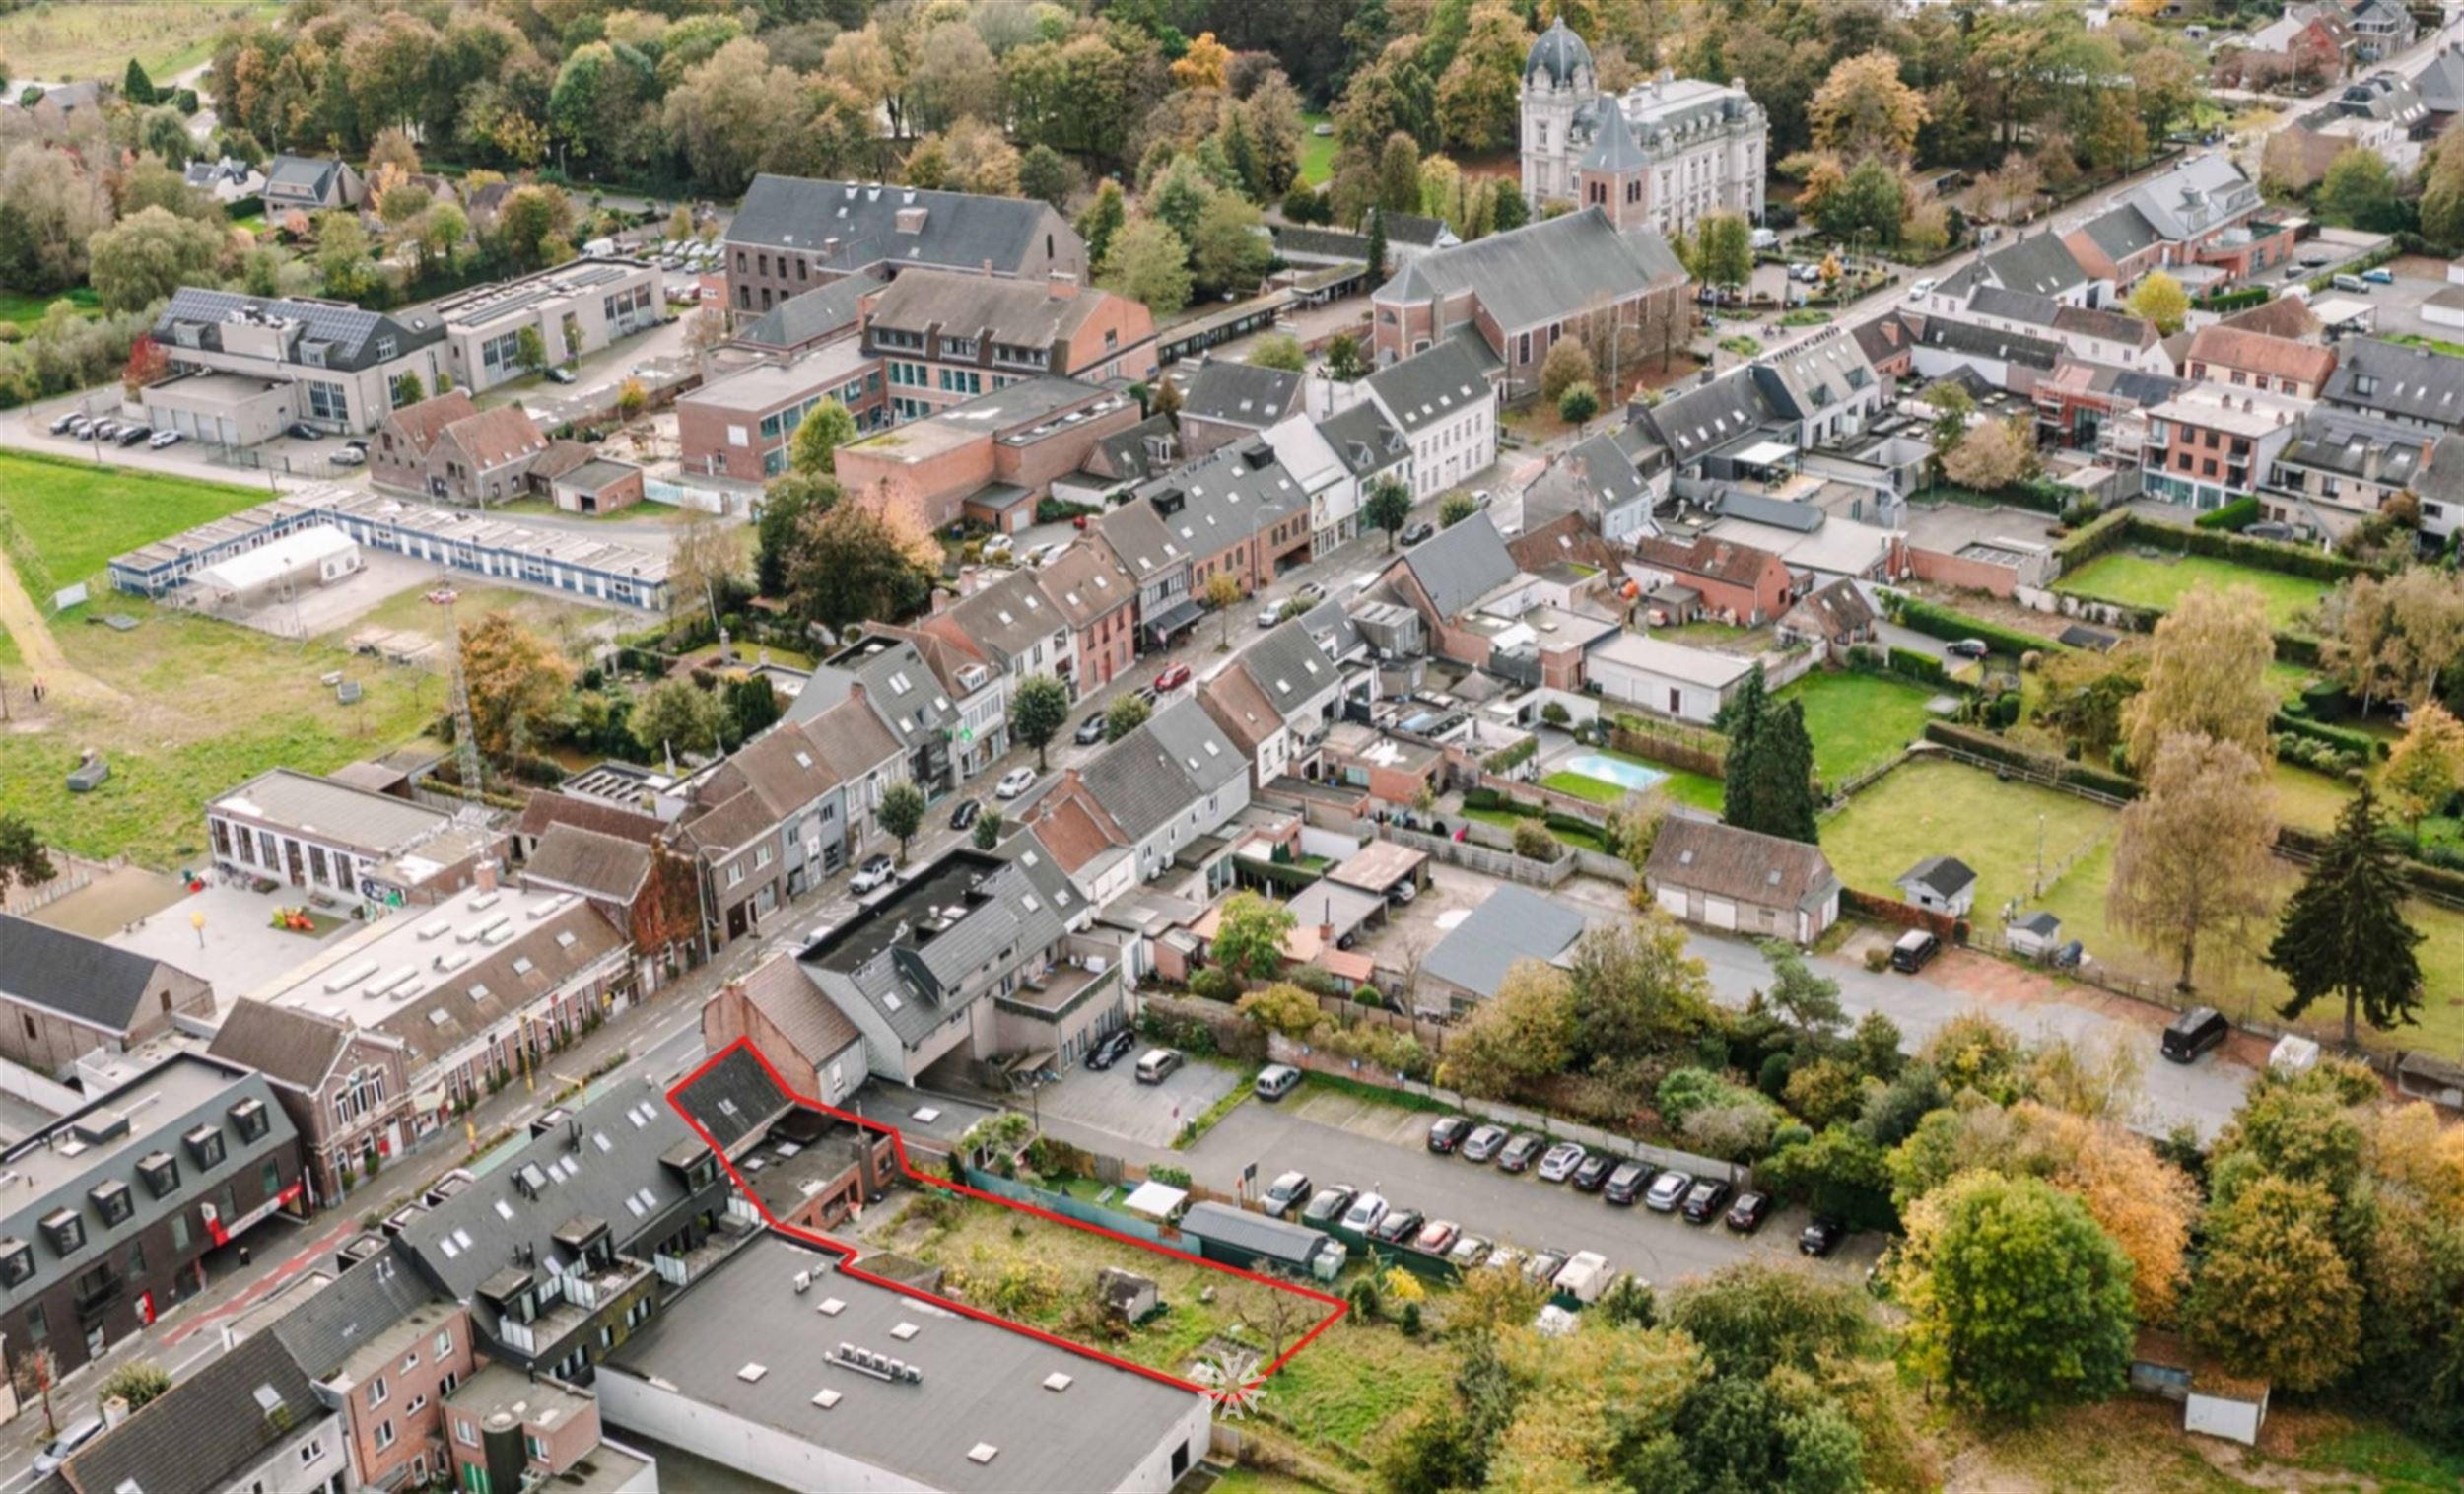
x,y
2194,1032
1914,949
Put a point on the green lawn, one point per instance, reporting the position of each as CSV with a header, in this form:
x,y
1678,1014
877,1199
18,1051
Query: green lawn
x,y
1699,789
1506,821
27,310
75,516
1858,721
1711,633
1317,152
2163,580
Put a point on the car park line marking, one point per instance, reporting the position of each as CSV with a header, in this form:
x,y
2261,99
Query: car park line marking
x,y
1232,1394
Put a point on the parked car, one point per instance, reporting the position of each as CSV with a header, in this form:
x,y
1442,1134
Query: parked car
x,y
1418,532
998,548
1482,1144
1277,1080
1704,1200
1437,1237
1823,1236
966,813
1967,647
1014,783
1328,1204
130,436
103,430
2381,276
160,438
875,872
1747,1215
72,1437
1309,593
1362,1214
1172,679
1115,1048
1560,1163
1625,1183
1091,729
1921,290
1398,1227
300,430
560,375
1446,1132
1270,613
1157,1065
1506,1258
1592,1173
60,423
1471,1252
1544,1265
1286,1193
2193,1033
1402,892
1915,947
1668,1190
1519,1152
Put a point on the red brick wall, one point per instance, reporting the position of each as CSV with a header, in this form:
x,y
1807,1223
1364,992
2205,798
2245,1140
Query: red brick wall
x,y
1948,570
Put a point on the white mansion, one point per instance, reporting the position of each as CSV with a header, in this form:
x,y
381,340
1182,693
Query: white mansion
x,y
1660,156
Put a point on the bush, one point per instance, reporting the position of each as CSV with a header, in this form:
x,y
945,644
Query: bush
x,y
1061,511
1507,759
1948,623
2360,746
1579,403
1555,714
1214,985
2317,756
2079,548
1533,843
2235,516
1915,665
2233,301
1995,750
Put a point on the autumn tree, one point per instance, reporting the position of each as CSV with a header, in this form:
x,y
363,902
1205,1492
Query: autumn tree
x,y
1387,506
144,258
1127,713
2275,1297
676,715
2394,639
2426,768
1147,262
1568,363
1522,1033
1724,254
2344,933
1863,110
2361,191
1203,65
1038,709
1250,938
861,558
1478,95
2144,1203
2017,1301
2207,675
1636,990
1992,456
1282,1008
2193,858
2160,299
1278,349
825,428
1103,217
517,682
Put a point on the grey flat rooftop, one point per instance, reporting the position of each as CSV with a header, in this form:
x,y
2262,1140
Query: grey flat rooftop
x,y
981,1384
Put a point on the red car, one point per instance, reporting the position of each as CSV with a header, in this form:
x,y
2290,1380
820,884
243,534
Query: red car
x,y
1172,679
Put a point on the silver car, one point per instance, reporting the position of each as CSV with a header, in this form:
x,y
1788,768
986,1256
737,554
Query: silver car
x,y
1560,1163
1668,1190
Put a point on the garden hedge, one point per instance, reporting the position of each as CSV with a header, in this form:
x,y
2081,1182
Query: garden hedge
x,y
2235,516
2233,301
1948,623
2343,738
1995,750
2079,548
2421,876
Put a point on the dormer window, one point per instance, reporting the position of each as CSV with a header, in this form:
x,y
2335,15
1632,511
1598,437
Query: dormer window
x,y
161,1173
64,1231
205,1144
17,1262
113,1200
251,1119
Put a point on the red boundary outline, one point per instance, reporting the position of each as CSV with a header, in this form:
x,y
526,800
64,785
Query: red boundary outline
x,y
847,1253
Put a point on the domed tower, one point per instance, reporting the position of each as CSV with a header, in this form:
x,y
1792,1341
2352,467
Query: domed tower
x,y
1558,80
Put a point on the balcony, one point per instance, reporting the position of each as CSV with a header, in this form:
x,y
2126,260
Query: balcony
x,y
95,1292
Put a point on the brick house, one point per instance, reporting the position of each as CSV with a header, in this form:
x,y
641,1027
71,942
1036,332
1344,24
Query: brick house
x,y
386,1350
478,458
1741,880
2223,355
991,457
1222,402
646,889
791,233
1739,583
743,426
944,338
348,1089
815,1049
1095,595
1237,513
2210,446
63,996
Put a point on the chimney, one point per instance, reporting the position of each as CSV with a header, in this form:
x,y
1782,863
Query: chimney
x,y
114,1410
487,876
1063,285
2371,456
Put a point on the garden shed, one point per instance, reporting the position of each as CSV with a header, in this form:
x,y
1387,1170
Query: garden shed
x,y
1237,1238
2214,1402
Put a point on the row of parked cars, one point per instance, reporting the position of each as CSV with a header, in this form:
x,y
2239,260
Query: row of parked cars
x,y
120,432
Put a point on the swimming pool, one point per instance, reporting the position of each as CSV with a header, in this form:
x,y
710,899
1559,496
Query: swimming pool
x,y
1633,777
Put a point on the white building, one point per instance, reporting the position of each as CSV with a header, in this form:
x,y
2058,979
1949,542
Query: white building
x,y
1667,679
1447,410
1661,155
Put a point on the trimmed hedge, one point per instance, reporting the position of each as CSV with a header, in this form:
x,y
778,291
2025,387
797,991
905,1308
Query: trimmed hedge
x,y
2361,744
1995,750
2421,876
2085,544
1946,622
1507,759
2233,301
2235,516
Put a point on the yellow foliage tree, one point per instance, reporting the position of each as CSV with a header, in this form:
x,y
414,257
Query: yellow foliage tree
x,y
1863,110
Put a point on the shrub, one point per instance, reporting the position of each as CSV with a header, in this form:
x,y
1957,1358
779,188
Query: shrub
x,y
1533,843
1920,666
2235,516
1995,750
1507,759
1579,403
1214,985
1948,623
1555,714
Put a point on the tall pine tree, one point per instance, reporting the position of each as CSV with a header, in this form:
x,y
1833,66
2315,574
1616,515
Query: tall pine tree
x,y
1740,721
1377,247
1779,797
2344,932
135,86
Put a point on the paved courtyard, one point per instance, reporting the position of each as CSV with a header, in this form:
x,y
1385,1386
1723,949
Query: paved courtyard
x,y
1114,1103
238,946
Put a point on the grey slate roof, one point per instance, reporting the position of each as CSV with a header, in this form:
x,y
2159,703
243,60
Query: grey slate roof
x,y
2041,262
1240,394
2357,446
1512,923
960,230
735,1096
285,1044
605,1182
1945,877
349,334
201,1434
2014,305
1461,563
331,811
360,1303
2442,81
1612,146
1543,271
1226,499
1138,537
901,689
1973,341
1592,479
69,974
1198,745
1142,781
2121,232
1363,441
1702,420
1277,1240
2398,381
1815,374
1129,455
904,957
2198,194
1333,628
981,1383
1431,386
1288,668
312,175
810,315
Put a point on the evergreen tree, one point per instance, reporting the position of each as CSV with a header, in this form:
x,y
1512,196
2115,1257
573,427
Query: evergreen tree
x,y
1512,211
135,86
1777,780
2344,932
1377,247
1102,219
752,707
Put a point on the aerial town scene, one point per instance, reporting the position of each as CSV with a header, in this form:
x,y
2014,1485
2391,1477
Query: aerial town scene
x,y
1259,746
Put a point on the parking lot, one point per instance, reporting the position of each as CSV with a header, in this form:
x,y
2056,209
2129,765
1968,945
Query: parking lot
x,y
1337,1138
1116,1104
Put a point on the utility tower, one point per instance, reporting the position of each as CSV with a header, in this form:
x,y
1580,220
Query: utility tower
x,y
465,736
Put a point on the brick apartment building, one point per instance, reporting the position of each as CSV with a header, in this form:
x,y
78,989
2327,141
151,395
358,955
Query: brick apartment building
x,y
945,338
791,233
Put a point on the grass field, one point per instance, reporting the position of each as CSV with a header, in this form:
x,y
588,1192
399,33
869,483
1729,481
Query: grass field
x,y
94,38
200,707
74,516
2162,581
26,309
1858,721
1686,788
410,611
1317,152
1940,808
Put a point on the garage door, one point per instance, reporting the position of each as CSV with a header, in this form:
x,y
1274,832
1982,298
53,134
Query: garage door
x,y
1719,912
1672,902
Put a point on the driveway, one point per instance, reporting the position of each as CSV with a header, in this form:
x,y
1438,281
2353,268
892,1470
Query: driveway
x,y
1335,1139
1114,1103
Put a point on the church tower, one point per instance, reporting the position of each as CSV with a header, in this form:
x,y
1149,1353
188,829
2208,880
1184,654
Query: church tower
x,y
1557,78
1610,175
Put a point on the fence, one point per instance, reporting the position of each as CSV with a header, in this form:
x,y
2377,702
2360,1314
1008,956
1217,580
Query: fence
x,y
1083,1212
1513,1116
1703,752
1488,861
1349,1013
70,873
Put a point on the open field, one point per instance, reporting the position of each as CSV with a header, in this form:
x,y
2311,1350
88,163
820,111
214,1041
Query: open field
x,y
27,310
1940,808
94,38
74,516
1858,721
410,611
2163,580
1317,152
192,706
